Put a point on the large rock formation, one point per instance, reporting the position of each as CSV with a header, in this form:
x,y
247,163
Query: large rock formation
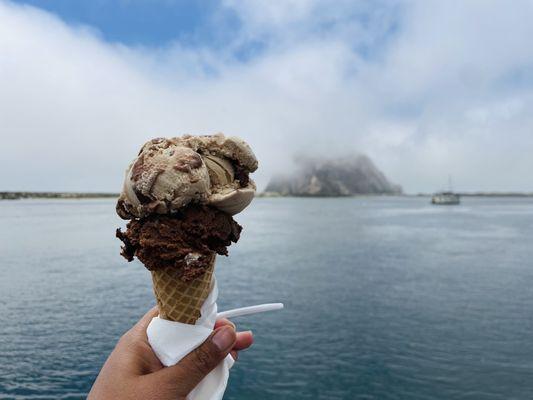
x,y
345,176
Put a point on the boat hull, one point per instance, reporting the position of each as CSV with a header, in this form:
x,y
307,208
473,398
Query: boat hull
x,y
446,199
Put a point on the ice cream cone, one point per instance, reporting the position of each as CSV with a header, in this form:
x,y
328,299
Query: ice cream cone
x,y
178,300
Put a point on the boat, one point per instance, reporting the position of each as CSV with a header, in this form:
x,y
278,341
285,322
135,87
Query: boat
x,y
446,198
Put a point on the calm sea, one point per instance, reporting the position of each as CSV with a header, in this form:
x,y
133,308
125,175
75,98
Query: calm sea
x,y
386,298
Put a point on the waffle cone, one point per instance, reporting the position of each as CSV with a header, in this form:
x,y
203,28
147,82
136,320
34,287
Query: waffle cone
x,y
181,301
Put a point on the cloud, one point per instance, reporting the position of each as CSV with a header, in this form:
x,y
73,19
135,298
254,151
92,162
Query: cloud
x,y
426,89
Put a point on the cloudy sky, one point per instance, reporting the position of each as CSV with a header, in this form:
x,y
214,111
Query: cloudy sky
x,y
425,88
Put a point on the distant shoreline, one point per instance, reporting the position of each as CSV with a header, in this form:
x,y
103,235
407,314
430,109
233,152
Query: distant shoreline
x,y
466,194
54,195
488,194
101,195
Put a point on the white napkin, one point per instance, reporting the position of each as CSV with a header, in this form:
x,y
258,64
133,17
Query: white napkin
x,y
171,341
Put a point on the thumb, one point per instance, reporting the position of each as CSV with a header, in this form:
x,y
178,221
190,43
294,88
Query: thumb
x,y
183,377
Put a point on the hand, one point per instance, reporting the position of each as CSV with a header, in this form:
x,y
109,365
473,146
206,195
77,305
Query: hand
x,y
133,371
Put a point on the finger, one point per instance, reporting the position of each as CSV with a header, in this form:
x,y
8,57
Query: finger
x,y
146,318
184,376
234,354
244,340
222,322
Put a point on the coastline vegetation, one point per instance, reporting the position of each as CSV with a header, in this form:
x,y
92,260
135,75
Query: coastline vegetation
x,y
54,195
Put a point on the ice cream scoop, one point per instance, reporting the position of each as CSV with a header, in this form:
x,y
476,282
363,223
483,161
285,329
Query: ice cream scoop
x,y
168,174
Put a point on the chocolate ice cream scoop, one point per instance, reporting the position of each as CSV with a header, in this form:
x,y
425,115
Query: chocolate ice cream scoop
x,y
184,240
168,174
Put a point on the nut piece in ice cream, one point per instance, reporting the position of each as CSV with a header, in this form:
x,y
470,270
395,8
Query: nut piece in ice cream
x,y
168,174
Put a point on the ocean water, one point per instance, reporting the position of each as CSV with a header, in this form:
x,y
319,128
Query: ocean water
x,y
386,298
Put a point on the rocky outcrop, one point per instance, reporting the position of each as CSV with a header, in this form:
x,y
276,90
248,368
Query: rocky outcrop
x,y
345,176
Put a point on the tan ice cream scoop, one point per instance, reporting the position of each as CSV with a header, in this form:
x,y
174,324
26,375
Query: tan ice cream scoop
x,y
170,173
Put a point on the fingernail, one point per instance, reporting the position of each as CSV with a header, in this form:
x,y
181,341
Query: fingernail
x,y
232,324
224,338
250,332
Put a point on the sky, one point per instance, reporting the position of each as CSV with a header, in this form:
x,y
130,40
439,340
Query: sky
x,y
426,88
